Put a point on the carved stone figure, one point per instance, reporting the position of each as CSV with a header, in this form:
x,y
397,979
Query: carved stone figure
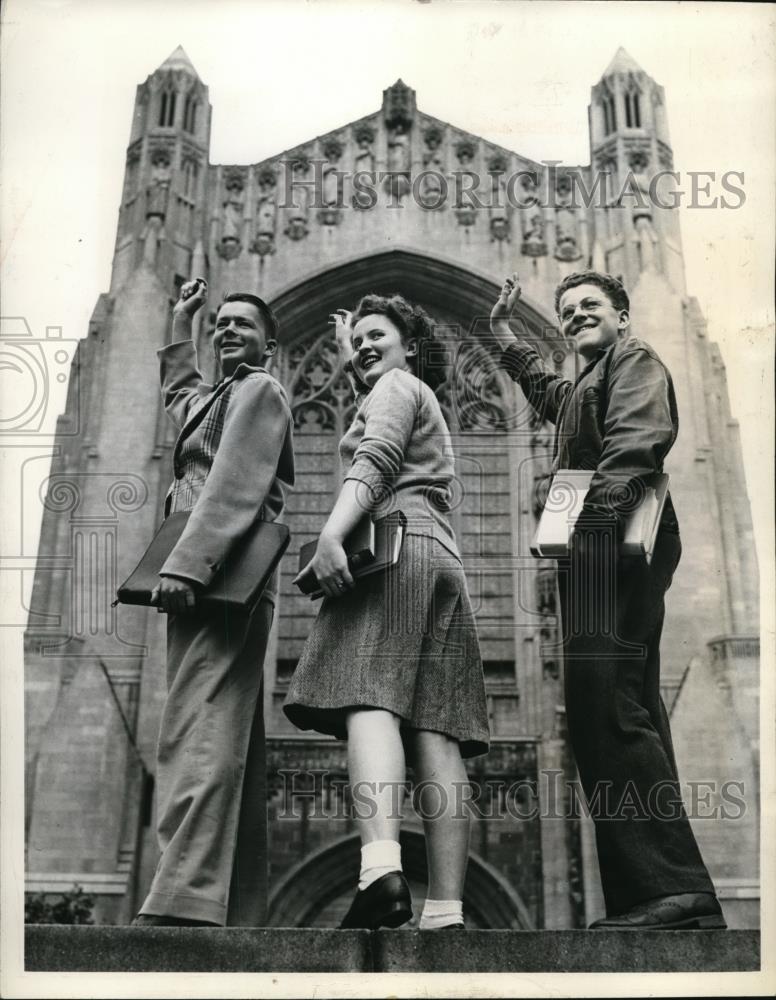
x,y
465,150
398,182
159,189
499,228
466,215
431,189
233,209
331,213
298,210
266,213
647,238
566,223
638,161
534,244
151,240
500,209
365,157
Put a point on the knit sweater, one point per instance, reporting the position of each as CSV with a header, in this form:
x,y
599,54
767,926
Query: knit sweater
x,y
399,448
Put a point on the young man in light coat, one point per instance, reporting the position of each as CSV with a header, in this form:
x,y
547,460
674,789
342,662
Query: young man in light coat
x,y
232,462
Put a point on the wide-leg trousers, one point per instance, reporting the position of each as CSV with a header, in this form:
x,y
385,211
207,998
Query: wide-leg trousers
x,y
211,771
612,612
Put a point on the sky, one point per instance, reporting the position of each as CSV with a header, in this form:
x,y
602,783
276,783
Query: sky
x,y
517,73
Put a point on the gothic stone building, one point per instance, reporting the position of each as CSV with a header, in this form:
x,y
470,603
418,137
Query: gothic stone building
x,y
309,236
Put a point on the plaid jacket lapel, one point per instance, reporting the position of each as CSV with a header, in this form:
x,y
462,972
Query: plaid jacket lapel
x,y
196,419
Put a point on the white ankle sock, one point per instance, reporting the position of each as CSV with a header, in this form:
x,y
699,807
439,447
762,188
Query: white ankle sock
x,y
438,913
378,857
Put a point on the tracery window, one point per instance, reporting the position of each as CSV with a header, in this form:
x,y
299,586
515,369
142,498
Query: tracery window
x,y
632,109
190,109
167,107
610,112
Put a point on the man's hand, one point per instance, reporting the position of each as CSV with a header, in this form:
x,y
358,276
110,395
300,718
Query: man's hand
x,y
173,595
330,565
503,309
193,296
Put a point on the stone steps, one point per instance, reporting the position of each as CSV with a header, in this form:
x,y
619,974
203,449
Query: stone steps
x,y
50,948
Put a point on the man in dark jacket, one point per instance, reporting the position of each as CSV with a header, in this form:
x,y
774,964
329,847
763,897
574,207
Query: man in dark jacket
x,y
619,420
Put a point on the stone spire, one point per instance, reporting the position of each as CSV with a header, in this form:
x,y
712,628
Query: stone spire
x,y
623,62
179,60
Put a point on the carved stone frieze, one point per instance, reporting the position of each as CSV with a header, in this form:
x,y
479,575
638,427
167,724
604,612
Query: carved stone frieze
x,y
465,150
332,149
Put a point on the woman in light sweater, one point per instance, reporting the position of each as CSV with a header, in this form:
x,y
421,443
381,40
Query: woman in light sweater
x,y
393,662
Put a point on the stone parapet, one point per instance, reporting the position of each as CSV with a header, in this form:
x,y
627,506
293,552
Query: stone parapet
x,y
55,948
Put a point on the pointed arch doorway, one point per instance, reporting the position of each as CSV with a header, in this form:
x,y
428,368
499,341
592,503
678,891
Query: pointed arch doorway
x,y
318,891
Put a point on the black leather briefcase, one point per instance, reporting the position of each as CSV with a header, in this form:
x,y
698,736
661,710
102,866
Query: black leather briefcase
x,y
238,583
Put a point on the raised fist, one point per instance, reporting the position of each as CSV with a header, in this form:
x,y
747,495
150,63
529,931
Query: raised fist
x,y
193,295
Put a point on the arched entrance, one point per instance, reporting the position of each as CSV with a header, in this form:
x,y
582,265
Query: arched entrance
x,y
440,285
318,891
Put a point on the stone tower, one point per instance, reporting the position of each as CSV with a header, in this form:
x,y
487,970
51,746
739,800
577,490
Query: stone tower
x,y
297,229
629,145
103,498
161,216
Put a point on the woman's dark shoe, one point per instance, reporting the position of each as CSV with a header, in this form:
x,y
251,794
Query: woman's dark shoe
x,y
384,903
691,911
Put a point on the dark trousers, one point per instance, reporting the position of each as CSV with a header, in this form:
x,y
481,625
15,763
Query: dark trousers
x,y
211,771
612,612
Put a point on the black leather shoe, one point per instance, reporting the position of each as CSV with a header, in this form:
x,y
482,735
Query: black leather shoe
x,y
384,903
154,920
691,911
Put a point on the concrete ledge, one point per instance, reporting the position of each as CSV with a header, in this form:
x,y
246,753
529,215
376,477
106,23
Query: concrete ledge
x,y
56,948
567,951
49,947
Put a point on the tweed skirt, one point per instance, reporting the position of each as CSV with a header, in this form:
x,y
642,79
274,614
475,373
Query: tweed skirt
x,y
404,640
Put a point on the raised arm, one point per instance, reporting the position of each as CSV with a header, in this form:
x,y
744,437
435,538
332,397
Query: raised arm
x,y
544,389
179,373
342,330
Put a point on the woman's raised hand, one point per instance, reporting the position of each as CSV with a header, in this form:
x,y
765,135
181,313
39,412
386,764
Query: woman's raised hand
x,y
342,330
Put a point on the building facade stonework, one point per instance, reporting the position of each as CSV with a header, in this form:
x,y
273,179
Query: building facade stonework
x,y
397,201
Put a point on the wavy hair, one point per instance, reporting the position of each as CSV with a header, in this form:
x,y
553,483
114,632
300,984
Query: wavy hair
x,y
413,323
613,289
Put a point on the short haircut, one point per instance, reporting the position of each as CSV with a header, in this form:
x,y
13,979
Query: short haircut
x,y
413,323
611,287
270,319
